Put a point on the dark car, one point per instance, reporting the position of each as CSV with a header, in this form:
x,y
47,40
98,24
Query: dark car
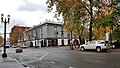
x,y
116,44
7,46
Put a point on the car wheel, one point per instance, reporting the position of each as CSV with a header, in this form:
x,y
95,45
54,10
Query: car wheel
x,y
82,48
98,49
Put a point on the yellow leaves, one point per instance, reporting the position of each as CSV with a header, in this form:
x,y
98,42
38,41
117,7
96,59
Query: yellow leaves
x,y
14,35
85,33
109,29
105,10
1,40
76,29
99,33
67,26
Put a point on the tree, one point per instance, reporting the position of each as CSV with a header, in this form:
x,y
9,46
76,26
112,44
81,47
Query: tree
x,y
78,11
1,40
14,36
75,28
99,33
109,20
116,19
116,34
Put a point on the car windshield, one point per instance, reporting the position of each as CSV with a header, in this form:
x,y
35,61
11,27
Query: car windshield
x,y
101,42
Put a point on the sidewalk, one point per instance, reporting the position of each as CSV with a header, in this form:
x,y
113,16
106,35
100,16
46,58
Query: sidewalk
x,y
68,48
115,50
9,63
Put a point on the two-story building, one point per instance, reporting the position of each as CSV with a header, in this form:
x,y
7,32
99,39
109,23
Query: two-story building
x,y
16,34
47,34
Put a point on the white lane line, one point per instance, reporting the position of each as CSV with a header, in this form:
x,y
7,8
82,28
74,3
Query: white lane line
x,y
71,67
44,55
52,62
18,62
30,57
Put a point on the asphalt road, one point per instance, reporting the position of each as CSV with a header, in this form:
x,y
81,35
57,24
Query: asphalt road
x,y
64,58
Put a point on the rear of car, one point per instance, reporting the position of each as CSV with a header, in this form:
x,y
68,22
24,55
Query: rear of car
x,y
103,45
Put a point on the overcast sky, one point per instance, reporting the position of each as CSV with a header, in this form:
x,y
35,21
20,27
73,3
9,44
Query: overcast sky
x,y
24,12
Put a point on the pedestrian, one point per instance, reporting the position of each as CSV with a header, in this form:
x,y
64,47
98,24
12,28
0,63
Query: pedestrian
x,y
107,39
75,42
31,44
71,44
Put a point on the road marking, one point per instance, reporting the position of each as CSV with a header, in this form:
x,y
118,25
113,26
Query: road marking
x,y
30,57
52,62
19,62
71,67
44,55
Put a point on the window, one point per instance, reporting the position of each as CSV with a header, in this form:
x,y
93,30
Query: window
x,y
41,29
92,42
101,42
41,35
55,31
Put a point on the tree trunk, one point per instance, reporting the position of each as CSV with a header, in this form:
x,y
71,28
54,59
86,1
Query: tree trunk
x,y
91,21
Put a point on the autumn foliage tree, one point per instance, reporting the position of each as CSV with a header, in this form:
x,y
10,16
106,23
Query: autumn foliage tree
x,y
116,34
109,16
89,12
14,36
1,40
17,34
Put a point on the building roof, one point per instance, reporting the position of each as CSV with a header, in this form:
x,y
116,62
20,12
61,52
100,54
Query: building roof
x,y
20,27
46,22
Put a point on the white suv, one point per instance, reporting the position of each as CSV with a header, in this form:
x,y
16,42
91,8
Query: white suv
x,y
95,45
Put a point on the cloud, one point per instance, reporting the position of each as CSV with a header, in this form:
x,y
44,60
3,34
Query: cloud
x,y
11,24
24,13
29,6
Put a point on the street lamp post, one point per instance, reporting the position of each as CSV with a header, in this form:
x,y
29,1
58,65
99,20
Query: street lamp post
x,y
5,21
62,36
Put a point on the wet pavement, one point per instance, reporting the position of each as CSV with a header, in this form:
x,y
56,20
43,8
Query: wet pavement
x,y
64,57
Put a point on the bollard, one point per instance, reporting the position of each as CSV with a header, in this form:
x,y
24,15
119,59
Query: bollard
x,y
19,50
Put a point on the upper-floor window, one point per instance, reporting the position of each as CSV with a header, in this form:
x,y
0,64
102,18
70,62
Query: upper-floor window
x,y
55,30
41,29
41,35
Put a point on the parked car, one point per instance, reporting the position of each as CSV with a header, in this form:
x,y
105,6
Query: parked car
x,y
95,45
7,46
23,46
14,46
116,44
